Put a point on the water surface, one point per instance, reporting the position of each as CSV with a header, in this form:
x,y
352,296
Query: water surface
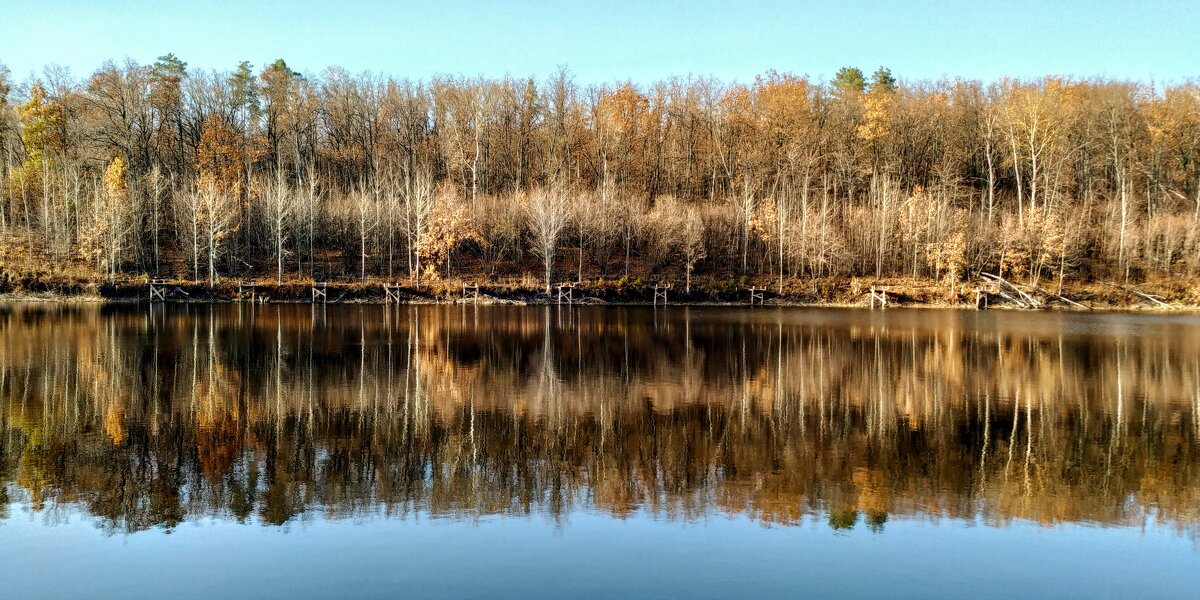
x,y
270,450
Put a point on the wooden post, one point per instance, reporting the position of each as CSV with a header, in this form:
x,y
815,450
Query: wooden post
x,y
660,291
471,292
158,290
981,298
756,295
567,291
879,295
391,293
244,287
319,291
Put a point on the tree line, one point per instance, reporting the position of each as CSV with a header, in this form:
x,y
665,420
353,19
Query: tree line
x,y
165,170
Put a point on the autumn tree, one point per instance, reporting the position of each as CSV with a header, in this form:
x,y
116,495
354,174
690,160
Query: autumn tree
x,y
120,106
791,177
217,195
104,238
8,124
449,225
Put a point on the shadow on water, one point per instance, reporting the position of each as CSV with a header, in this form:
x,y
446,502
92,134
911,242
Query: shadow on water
x,y
144,417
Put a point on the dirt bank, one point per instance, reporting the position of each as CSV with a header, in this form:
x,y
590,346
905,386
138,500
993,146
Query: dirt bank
x,y
1163,295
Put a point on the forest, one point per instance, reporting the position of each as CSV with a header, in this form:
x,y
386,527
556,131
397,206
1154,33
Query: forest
x,y
162,170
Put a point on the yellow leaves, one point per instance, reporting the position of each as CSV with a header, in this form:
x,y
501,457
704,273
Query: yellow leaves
x,y
918,207
949,256
41,135
918,216
103,238
114,179
1041,111
762,222
877,117
26,179
773,120
675,228
41,123
1174,120
114,423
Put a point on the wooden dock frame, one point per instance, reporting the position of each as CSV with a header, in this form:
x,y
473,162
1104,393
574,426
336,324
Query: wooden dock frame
x,y
391,293
244,287
879,295
660,291
756,296
320,290
567,291
471,292
158,290
981,298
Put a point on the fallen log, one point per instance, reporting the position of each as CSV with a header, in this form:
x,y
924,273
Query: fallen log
x,y
1015,294
1067,300
1059,297
1153,299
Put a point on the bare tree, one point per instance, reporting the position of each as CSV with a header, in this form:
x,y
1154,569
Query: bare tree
x,y
366,211
217,216
546,210
187,205
692,240
158,185
279,203
419,199
789,177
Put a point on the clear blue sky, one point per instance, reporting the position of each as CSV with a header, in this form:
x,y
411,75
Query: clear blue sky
x,y
604,41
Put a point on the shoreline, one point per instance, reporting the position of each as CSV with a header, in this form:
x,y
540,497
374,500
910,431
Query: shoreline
x,y
903,294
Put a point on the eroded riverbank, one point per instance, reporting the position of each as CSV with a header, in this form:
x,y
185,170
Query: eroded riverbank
x,y
830,292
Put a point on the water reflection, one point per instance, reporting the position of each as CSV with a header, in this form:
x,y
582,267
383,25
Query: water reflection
x,y
150,416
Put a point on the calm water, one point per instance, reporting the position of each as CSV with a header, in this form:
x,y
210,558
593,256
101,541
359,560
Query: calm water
x,y
269,451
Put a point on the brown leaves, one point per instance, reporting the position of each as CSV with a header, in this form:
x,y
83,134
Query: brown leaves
x,y
625,110
1039,241
449,226
219,157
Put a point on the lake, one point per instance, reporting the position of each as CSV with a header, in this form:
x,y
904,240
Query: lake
x,y
498,451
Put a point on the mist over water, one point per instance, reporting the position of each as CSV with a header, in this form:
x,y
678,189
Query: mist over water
x,y
602,434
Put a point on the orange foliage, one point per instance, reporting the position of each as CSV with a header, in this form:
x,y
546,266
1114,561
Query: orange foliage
x,y
219,157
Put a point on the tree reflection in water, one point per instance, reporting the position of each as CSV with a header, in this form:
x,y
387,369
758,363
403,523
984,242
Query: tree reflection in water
x,y
150,416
